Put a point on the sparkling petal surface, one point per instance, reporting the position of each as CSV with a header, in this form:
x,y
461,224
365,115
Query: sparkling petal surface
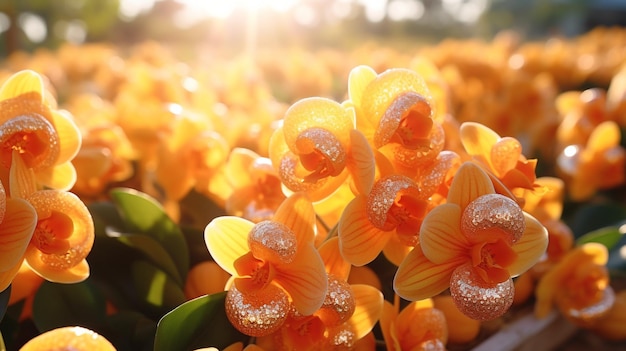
x,y
493,216
272,241
258,314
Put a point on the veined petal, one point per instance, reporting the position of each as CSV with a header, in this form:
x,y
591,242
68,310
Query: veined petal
x,y
7,276
227,239
368,310
69,135
388,326
361,163
359,241
478,139
418,278
395,251
334,262
75,274
530,247
297,213
16,230
60,177
469,182
304,279
22,82
358,79
22,181
441,239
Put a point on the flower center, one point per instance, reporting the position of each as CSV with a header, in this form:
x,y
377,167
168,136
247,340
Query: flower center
x,y
255,274
52,234
491,259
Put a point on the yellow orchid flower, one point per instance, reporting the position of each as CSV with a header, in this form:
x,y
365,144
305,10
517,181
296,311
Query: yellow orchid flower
x,y
473,244
578,284
599,164
257,190
273,263
418,326
501,156
348,314
45,138
317,149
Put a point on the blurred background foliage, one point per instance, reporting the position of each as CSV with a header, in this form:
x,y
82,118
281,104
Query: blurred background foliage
x,y
190,24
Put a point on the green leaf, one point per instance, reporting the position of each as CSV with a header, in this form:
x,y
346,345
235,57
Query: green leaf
x,y
155,287
201,322
105,215
608,236
143,214
58,305
131,330
4,301
596,216
154,252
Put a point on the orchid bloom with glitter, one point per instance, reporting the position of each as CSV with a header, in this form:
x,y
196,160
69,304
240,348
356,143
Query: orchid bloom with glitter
x,y
418,326
45,139
578,284
318,148
274,265
473,244
394,110
501,156
348,314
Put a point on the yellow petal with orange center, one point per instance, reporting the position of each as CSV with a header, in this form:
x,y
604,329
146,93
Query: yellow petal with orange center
x,y
69,135
60,177
368,310
418,278
22,82
359,241
16,231
227,239
333,261
469,182
298,214
441,238
530,247
304,279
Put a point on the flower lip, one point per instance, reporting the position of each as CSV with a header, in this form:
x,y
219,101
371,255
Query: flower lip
x,y
407,120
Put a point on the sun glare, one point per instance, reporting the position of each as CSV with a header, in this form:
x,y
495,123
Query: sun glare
x,y
223,9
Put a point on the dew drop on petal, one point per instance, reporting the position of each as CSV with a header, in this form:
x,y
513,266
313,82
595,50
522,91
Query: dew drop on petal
x,y
339,303
493,211
341,338
479,300
272,241
383,196
258,314
331,155
33,137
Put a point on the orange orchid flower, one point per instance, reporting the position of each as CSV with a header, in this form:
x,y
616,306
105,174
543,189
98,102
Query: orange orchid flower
x,y
273,263
257,190
501,156
317,149
473,244
419,326
348,314
599,164
394,110
45,138
578,284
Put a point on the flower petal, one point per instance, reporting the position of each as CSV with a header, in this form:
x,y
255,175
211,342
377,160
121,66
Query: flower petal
x,y
304,279
22,181
16,231
358,79
75,274
477,139
368,310
227,239
7,276
297,213
359,241
395,251
469,182
238,166
361,163
59,177
441,239
69,135
604,136
334,262
417,278
530,247
22,82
